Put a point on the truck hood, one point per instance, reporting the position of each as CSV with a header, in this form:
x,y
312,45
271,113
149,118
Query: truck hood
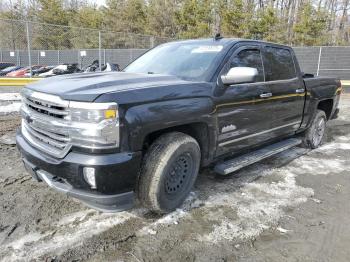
x,y
88,87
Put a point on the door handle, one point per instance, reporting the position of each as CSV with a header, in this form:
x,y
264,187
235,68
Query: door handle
x,y
266,95
300,90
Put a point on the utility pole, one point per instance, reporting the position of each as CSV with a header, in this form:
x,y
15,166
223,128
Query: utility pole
x,y
99,51
28,46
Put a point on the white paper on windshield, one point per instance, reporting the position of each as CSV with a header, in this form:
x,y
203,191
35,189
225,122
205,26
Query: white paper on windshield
x,y
208,49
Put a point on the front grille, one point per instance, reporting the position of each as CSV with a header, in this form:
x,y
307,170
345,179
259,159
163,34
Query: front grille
x,y
44,124
45,107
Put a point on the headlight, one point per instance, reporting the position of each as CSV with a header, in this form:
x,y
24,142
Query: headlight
x,y
92,112
94,125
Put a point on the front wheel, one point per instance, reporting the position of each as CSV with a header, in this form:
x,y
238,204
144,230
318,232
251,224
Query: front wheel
x,y
169,170
314,136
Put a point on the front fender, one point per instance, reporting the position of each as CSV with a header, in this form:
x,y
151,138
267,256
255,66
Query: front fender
x,y
142,120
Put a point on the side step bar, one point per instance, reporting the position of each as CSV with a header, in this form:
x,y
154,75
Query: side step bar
x,y
239,162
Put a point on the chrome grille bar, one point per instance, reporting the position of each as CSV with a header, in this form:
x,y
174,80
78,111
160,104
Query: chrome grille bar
x,y
41,145
43,122
54,136
39,107
45,138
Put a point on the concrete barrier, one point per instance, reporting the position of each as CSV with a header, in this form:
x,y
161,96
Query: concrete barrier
x,y
345,82
9,81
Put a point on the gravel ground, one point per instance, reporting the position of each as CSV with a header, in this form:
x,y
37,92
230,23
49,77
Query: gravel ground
x,y
291,207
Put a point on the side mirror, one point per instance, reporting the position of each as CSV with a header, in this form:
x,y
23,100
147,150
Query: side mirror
x,y
239,75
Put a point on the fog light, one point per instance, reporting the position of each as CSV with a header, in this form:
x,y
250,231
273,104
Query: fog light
x,y
89,176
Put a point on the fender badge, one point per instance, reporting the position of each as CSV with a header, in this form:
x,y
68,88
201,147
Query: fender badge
x,y
228,128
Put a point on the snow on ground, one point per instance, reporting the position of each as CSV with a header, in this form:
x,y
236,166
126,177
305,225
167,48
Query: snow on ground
x,y
10,97
13,107
234,215
335,146
257,206
316,166
69,233
311,165
9,102
191,202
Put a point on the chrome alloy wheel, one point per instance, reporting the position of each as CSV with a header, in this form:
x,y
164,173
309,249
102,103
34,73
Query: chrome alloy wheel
x,y
319,131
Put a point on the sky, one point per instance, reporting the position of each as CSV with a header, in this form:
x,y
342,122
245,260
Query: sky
x,y
98,2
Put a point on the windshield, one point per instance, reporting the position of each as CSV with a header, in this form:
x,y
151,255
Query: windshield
x,y
185,60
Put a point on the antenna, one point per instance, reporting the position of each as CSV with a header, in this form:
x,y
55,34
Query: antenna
x,y
218,36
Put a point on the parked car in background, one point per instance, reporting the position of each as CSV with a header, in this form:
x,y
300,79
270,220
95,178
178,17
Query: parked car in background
x,y
9,69
91,68
109,67
62,70
3,65
17,73
95,67
23,71
46,71
39,71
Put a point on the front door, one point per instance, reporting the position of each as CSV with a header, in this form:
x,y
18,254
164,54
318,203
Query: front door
x,y
244,110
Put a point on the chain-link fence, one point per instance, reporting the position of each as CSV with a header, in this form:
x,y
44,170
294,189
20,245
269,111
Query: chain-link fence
x,y
29,43
325,60
82,57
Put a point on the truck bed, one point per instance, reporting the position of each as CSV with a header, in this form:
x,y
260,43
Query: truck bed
x,y
317,81
321,86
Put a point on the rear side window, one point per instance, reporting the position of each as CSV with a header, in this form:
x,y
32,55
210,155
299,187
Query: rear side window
x,y
249,58
278,64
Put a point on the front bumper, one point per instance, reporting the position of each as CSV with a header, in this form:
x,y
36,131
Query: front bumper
x,y
116,175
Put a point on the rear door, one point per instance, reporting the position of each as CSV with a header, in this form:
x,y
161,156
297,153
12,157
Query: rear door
x,y
243,109
288,92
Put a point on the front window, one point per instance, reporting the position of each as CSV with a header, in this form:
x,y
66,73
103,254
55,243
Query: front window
x,y
249,58
190,61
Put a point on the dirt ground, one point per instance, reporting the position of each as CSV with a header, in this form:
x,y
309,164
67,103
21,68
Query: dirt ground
x,y
292,207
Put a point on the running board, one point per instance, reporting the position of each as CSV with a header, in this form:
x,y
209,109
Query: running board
x,y
239,162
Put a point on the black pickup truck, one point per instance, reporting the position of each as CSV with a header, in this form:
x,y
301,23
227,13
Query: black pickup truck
x,y
144,133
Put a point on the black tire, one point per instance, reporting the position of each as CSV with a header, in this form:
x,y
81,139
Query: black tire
x,y
169,170
315,134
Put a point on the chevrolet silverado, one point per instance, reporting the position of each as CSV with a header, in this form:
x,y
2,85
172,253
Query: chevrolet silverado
x,y
109,139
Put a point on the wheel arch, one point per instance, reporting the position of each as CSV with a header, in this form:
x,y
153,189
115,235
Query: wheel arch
x,y
198,130
326,106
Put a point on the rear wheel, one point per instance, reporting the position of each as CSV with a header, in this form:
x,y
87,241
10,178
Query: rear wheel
x,y
169,170
314,136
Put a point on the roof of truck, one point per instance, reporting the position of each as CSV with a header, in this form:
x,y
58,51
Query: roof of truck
x,y
226,41
222,41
